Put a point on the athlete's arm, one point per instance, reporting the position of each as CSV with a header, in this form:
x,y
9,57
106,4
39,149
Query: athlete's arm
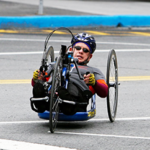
x,y
97,86
101,88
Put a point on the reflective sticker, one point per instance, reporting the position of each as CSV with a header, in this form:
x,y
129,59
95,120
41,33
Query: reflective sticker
x,y
92,113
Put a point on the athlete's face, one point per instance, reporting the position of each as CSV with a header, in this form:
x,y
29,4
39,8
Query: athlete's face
x,y
82,52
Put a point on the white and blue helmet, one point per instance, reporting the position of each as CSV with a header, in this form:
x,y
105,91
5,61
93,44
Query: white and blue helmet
x,y
85,38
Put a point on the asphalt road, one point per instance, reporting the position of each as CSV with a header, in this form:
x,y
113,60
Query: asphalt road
x,y
131,128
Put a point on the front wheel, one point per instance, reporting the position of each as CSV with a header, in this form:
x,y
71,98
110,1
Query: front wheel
x,y
48,56
54,102
112,82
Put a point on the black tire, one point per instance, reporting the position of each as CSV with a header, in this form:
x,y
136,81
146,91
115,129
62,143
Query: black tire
x,y
112,82
48,56
54,104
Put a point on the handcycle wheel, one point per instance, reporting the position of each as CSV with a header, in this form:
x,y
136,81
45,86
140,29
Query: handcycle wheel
x,y
48,56
112,82
54,104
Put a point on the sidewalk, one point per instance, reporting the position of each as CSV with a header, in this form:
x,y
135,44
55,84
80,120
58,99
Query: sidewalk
x,y
74,14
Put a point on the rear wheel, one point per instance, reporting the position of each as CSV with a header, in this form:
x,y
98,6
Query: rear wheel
x,y
112,82
54,103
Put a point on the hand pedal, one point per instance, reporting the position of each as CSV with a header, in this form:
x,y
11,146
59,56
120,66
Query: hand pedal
x,y
46,98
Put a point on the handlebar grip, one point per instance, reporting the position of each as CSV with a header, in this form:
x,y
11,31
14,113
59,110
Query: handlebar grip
x,y
41,69
87,72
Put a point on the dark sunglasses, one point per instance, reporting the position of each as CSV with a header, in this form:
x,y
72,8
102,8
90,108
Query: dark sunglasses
x,y
85,50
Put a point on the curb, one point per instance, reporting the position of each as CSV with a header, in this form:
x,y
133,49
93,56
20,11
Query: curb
x,y
73,21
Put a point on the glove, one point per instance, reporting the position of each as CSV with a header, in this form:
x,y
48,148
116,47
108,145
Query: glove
x,y
35,74
92,79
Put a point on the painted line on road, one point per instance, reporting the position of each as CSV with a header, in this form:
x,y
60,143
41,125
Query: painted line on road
x,y
27,81
105,135
21,53
14,145
18,145
134,78
104,33
27,40
91,120
56,52
123,119
65,41
97,33
31,31
141,33
21,81
23,122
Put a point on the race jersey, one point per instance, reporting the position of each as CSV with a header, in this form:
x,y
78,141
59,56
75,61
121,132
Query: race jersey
x,y
83,69
100,87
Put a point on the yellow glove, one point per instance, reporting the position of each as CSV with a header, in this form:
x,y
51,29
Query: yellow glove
x,y
35,74
92,79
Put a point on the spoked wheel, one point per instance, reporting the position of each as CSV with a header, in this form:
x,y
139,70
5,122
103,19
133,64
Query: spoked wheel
x,y
54,104
48,56
112,82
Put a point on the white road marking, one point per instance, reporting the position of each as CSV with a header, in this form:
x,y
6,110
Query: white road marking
x,y
97,51
21,53
46,121
17,145
123,119
64,41
27,40
106,135
120,43
23,122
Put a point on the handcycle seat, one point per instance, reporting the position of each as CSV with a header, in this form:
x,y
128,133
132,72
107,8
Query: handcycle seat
x,y
78,116
71,98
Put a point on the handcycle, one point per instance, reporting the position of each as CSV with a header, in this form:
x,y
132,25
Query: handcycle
x,y
60,77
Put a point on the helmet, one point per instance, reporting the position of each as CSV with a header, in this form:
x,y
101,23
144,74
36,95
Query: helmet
x,y
85,38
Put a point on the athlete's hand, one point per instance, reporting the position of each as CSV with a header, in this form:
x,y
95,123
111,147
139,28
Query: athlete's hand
x,y
92,79
89,79
35,74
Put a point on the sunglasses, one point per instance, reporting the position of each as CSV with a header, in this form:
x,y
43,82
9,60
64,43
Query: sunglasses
x,y
85,50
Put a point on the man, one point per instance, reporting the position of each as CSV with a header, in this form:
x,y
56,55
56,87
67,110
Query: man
x,y
83,47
